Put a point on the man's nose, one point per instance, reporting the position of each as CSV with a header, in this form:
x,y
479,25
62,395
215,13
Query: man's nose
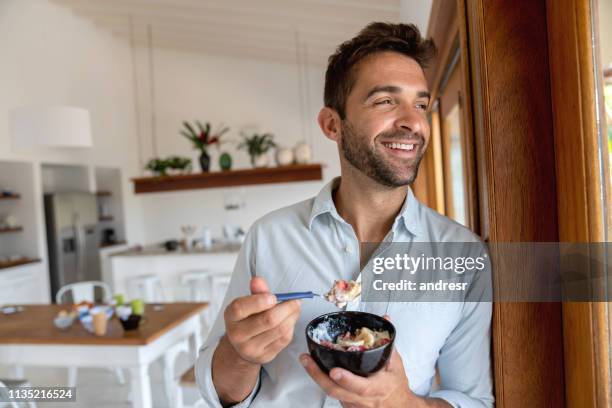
x,y
410,120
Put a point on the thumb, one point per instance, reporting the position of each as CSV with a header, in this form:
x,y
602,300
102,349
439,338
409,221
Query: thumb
x,y
387,317
259,285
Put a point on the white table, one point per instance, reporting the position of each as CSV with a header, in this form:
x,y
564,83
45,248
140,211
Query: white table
x,y
30,339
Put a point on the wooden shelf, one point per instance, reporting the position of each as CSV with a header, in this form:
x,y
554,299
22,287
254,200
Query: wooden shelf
x,y
13,229
106,218
104,193
285,174
11,197
24,261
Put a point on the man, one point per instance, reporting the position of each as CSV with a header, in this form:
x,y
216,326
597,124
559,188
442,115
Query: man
x,y
376,101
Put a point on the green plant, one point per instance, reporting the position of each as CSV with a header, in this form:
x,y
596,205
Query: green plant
x,y
257,144
161,166
202,136
158,166
179,163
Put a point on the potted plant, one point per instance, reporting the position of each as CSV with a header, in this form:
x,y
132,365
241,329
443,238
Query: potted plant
x,y
180,165
158,166
257,146
162,167
202,139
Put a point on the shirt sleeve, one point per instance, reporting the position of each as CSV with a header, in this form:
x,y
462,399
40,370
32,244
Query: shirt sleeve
x,y
464,362
239,286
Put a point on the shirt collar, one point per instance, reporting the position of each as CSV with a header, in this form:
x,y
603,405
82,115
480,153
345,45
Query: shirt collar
x,y
409,215
324,203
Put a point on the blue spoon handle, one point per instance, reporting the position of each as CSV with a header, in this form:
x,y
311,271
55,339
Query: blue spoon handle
x,y
282,297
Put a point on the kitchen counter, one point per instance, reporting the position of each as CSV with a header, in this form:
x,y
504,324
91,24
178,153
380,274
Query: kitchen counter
x,y
159,250
170,266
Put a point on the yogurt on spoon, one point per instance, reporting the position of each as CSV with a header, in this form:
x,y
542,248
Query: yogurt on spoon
x,y
343,292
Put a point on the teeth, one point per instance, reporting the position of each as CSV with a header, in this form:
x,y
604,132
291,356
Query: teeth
x,y
401,146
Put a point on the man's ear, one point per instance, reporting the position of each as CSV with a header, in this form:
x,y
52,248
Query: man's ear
x,y
329,121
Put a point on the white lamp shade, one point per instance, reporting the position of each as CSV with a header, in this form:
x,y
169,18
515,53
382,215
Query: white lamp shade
x,y
54,126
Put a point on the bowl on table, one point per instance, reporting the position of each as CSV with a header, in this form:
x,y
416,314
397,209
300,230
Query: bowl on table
x,y
63,322
131,322
332,325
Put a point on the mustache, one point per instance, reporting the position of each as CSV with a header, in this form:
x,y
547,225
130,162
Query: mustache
x,y
401,136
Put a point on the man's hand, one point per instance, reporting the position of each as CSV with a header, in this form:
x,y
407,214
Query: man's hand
x,y
257,329
387,388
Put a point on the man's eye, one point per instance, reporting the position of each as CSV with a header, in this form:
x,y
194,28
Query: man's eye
x,y
422,106
383,102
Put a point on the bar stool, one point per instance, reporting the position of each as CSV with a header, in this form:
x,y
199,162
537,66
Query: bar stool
x,y
218,287
201,287
147,288
197,283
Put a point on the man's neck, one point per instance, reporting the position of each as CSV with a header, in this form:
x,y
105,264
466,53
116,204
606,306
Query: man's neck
x,y
367,205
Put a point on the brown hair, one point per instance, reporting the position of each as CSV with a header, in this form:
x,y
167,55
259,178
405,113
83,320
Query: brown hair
x,y
404,39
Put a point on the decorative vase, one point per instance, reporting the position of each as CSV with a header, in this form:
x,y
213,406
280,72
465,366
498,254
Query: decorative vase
x,y
284,156
225,161
260,161
302,153
205,162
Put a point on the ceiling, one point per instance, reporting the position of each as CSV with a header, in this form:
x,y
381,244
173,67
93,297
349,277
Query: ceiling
x,y
262,29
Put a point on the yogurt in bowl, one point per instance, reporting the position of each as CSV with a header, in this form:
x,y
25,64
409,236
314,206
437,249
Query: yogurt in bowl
x,y
356,341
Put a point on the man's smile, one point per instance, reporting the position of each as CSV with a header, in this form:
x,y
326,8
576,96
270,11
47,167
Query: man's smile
x,y
403,149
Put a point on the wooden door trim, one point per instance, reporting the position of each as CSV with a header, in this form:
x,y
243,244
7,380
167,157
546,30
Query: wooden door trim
x,y
469,140
580,188
514,134
448,28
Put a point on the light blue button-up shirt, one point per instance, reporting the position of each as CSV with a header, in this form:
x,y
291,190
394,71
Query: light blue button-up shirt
x,y
307,246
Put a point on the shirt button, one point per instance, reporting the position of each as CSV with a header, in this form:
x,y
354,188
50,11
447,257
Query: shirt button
x,y
348,249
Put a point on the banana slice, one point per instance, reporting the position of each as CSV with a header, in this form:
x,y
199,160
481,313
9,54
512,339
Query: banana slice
x,y
350,343
367,336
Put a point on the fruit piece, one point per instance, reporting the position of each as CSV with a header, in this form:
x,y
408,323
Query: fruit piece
x,y
366,335
343,292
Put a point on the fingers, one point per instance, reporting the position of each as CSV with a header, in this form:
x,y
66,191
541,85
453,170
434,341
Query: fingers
x,y
330,387
264,334
284,336
269,319
259,285
387,317
351,382
245,306
261,336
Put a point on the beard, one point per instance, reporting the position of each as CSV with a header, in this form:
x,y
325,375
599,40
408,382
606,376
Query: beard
x,y
373,163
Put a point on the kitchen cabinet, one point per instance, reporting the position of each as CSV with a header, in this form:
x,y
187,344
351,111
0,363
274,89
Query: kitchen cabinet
x,y
23,285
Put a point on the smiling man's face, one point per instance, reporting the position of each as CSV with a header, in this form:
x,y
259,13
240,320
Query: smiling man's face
x,y
385,131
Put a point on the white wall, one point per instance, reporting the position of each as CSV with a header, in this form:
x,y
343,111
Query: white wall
x,y
605,32
52,57
238,92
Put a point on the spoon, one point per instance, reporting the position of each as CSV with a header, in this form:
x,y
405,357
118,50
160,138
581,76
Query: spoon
x,y
283,297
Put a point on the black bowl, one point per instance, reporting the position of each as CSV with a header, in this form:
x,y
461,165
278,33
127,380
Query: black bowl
x,y
363,363
131,323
